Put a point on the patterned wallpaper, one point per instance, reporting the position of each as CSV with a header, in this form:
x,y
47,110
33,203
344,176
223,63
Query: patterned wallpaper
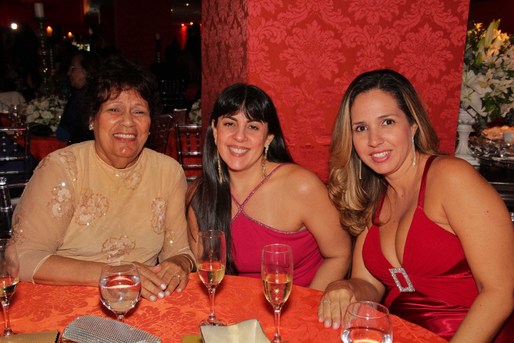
x,y
304,53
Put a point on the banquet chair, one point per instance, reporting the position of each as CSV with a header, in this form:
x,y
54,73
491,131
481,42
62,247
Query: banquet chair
x,y
160,131
189,153
171,94
15,160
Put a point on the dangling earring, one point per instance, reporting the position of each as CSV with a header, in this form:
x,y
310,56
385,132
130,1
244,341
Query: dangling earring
x,y
360,169
264,158
91,126
414,148
220,173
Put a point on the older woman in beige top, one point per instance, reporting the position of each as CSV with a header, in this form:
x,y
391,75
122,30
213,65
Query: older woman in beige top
x,y
110,199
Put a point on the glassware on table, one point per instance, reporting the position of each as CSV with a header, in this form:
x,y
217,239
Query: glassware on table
x,y
9,268
277,279
211,260
366,321
120,288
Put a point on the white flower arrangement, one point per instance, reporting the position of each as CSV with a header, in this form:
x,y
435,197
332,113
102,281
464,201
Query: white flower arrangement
x,y
195,115
487,92
46,111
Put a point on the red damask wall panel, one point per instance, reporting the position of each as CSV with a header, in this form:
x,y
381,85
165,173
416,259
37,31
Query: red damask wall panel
x,y
304,53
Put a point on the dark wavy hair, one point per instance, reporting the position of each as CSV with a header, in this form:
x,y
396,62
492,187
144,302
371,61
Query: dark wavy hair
x,y
117,74
210,197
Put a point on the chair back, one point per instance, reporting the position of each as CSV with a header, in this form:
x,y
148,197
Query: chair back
x,y
171,93
15,159
160,131
189,152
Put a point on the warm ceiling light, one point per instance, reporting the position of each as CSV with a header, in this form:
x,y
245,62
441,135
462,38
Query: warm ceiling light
x,y
186,4
191,23
14,26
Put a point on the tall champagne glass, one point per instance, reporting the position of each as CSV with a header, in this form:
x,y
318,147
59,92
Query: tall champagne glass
x,y
277,279
120,288
211,259
9,267
366,322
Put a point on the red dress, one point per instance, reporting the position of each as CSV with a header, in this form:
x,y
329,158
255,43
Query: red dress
x,y
435,263
250,235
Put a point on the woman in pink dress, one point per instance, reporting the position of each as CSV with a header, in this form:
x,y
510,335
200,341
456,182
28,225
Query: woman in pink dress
x,y
252,190
434,240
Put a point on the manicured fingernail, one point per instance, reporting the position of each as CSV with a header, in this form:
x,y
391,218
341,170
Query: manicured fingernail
x,y
179,289
328,323
335,326
160,295
152,298
163,286
167,293
320,319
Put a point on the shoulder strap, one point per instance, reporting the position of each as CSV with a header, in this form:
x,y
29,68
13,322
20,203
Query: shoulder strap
x,y
256,188
421,196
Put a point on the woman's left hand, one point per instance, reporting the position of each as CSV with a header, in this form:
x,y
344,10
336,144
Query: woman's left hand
x,y
162,280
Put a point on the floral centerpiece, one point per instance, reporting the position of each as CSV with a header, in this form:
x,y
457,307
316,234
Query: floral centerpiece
x,y
46,111
487,92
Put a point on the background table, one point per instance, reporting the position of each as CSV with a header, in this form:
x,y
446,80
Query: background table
x,y
41,146
37,308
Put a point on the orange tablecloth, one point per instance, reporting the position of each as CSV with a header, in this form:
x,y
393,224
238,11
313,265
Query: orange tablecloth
x,y
37,308
42,146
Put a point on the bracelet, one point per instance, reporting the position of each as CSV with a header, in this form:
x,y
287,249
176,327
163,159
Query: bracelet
x,y
192,264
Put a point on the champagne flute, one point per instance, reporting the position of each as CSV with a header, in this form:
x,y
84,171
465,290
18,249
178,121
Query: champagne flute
x,y
366,321
277,279
211,259
120,288
9,268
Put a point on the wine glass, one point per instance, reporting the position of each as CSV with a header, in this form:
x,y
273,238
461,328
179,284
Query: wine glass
x,y
366,321
120,288
211,259
277,279
9,267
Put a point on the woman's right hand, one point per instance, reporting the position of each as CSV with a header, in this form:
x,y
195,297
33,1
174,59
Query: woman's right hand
x,y
333,303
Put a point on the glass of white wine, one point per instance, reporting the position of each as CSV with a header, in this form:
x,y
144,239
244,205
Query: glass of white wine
x,y
277,279
9,268
366,321
120,288
211,260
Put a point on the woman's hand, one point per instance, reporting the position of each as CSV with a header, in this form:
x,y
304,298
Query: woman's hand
x,y
333,303
162,280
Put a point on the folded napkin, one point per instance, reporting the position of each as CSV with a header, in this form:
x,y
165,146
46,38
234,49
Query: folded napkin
x,y
36,337
94,329
248,331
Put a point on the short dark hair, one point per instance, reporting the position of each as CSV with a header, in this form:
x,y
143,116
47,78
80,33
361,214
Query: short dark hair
x,y
117,74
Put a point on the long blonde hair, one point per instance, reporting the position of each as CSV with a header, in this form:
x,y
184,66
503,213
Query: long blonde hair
x,y
354,188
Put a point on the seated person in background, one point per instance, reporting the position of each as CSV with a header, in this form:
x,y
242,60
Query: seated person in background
x,y
110,199
435,241
252,190
73,126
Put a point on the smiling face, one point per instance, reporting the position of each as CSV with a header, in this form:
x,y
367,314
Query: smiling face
x,y
381,132
121,128
241,142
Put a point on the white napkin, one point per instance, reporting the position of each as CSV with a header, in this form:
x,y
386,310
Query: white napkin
x,y
248,331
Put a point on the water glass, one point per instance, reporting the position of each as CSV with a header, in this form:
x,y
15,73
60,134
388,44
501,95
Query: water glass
x,y
120,288
366,321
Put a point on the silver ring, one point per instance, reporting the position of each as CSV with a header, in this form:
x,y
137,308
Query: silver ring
x,y
177,275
